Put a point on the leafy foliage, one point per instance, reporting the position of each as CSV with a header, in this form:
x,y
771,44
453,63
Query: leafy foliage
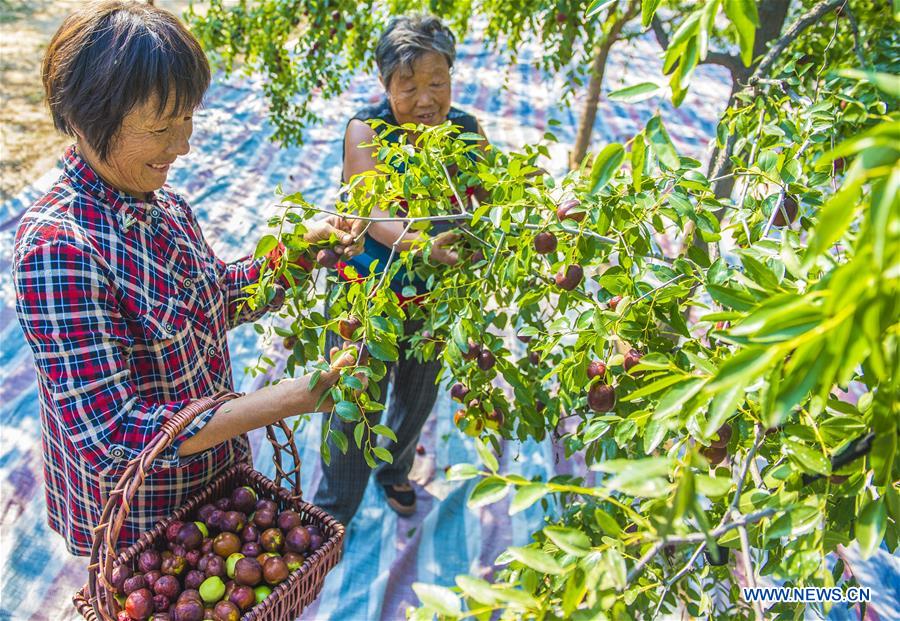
x,y
755,374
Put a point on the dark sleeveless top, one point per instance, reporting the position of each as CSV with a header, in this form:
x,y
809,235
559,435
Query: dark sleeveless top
x,y
373,249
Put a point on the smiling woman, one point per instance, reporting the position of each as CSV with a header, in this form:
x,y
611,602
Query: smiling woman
x,y
122,301
415,54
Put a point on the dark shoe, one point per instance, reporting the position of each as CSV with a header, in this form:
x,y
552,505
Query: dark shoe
x,y
401,498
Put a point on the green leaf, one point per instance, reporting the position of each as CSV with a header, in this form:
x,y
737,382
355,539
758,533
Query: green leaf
x,y
607,522
743,15
616,564
759,273
648,10
370,461
569,540
526,496
470,137
684,32
636,93
641,477
672,401
871,524
654,433
353,382
384,351
882,455
723,405
742,367
487,457
834,218
654,387
638,158
478,589
383,454
596,6
267,244
886,82
517,597
488,491
605,166
795,522
537,560
347,410
459,337
384,430
358,432
713,487
462,472
661,144
576,589
805,458
440,599
339,439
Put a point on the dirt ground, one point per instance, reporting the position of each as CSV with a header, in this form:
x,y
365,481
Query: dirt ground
x,y
29,144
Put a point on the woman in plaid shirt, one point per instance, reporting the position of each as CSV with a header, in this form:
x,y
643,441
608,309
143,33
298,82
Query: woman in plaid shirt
x,y
121,299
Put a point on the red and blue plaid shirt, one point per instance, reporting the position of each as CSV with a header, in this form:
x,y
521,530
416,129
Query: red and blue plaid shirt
x,y
126,309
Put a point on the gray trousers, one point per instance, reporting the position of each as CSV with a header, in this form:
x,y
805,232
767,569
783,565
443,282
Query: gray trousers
x,y
412,397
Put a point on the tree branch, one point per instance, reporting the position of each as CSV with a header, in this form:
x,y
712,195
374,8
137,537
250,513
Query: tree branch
x,y
857,45
687,566
642,562
729,61
743,521
803,22
757,442
748,569
390,258
350,216
662,37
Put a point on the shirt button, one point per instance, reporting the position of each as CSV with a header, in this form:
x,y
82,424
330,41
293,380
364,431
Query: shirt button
x,y
154,213
212,352
187,283
117,452
169,328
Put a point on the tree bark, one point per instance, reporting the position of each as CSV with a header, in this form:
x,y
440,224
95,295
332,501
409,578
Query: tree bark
x,y
772,14
595,86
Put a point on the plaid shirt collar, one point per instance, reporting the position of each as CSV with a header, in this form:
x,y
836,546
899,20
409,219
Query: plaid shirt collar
x,y
85,179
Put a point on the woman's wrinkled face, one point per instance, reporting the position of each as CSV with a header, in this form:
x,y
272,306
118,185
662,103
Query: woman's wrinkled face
x,y
144,149
422,94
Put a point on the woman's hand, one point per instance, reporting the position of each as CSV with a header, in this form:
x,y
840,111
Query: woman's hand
x,y
340,359
440,248
349,233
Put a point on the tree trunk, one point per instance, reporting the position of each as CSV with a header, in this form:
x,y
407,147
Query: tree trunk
x,y
772,14
595,85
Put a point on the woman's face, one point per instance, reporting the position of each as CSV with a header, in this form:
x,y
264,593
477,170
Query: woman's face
x,y
421,95
144,148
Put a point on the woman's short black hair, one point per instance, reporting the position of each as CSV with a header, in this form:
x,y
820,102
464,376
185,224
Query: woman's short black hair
x,y
108,57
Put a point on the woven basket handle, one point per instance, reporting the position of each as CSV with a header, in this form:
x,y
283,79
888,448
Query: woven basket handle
x,y
285,447
118,505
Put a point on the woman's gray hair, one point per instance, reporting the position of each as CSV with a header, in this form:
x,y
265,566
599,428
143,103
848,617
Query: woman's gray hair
x,y
407,38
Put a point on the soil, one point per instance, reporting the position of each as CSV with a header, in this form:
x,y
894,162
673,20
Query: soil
x,y
29,144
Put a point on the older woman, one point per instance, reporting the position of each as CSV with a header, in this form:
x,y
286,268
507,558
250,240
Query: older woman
x,y
414,56
121,299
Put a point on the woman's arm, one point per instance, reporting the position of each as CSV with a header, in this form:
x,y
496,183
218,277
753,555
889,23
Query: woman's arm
x,y
358,159
80,340
264,407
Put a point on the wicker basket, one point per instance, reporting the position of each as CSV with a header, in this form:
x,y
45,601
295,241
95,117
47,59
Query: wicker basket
x,y
96,602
